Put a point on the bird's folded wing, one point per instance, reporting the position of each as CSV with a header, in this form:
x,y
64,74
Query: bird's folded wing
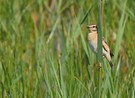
x,y
105,46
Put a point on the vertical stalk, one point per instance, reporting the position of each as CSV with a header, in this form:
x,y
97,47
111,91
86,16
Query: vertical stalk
x,y
99,33
100,26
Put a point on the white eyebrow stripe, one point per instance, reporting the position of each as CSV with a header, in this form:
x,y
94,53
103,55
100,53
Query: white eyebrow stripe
x,y
92,26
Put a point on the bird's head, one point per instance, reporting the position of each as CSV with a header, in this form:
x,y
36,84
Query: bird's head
x,y
92,28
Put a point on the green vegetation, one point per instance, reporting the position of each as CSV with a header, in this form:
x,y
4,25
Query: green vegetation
x,y
44,52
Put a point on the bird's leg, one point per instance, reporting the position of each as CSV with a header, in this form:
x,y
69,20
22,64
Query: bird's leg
x,y
100,65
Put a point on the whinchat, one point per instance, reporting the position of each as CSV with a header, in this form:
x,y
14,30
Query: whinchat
x,y
93,42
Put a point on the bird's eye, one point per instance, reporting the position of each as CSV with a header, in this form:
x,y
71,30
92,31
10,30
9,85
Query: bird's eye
x,y
94,26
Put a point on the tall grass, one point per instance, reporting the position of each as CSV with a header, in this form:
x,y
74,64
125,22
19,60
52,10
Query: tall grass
x,y
44,50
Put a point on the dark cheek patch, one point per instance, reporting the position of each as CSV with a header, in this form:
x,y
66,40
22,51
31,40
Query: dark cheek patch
x,y
94,30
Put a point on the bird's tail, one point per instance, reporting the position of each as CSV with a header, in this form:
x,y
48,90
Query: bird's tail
x,y
111,64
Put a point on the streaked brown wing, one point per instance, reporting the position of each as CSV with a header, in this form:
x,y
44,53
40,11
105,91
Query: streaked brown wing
x,y
105,46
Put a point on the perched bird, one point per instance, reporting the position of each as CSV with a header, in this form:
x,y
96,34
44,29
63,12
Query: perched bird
x,y
93,42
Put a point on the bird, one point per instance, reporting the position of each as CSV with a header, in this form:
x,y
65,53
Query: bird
x,y
93,43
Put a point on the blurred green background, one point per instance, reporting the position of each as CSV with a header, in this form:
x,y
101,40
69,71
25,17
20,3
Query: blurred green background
x,y
44,51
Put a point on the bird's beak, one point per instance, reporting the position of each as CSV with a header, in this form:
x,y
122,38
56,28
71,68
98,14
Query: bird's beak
x,y
88,26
